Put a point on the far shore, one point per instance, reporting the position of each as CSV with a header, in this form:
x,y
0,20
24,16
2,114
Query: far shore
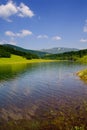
x,y
28,61
20,60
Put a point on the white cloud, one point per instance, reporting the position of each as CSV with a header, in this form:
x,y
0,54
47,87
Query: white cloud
x,y
7,10
23,33
83,40
24,11
56,38
42,36
9,33
10,9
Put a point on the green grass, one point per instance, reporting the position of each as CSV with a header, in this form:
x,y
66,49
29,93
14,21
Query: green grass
x,y
83,74
83,59
18,59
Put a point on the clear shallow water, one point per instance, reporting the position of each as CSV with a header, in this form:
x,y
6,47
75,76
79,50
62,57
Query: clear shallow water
x,y
43,91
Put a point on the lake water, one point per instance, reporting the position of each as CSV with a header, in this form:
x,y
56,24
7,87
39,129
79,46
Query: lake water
x,y
43,91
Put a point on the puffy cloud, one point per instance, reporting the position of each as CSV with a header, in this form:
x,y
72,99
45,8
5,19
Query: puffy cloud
x,y
83,40
7,10
23,33
24,11
9,33
10,9
56,38
42,36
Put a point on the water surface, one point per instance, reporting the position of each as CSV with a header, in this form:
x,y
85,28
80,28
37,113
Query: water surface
x,y
43,91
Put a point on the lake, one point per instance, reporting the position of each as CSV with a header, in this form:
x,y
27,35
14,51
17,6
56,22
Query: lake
x,y
43,92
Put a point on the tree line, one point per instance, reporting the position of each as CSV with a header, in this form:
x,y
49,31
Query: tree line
x,y
73,55
5,52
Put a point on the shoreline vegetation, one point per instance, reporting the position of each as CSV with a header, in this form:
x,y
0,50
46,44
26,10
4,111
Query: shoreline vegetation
x,y
82,74
20,60
16,55
15,59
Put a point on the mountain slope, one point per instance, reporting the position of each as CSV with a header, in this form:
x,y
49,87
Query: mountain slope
x,y
6,51
39,53
58,50
73,55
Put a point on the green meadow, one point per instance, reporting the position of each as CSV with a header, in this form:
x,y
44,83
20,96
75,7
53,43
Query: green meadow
x,y
82,60
19,59
83,73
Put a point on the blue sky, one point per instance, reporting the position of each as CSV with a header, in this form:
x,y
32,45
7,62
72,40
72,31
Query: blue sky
x,y
38,24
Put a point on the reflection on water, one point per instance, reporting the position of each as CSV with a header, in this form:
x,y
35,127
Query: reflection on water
x,y
11,71
43,91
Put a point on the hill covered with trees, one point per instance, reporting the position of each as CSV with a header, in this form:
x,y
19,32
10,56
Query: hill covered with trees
x,y
7,50
17,48
73,55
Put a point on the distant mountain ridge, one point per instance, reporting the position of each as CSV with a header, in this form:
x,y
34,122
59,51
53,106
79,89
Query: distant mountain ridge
x,y
42,52
79,55
58,50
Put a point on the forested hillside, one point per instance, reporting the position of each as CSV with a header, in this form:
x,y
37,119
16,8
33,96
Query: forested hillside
x,y
74,55
6,51
17,48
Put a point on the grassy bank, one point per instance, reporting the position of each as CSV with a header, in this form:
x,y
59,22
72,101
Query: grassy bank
x,y
19,60
83,74
40,125
82,60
